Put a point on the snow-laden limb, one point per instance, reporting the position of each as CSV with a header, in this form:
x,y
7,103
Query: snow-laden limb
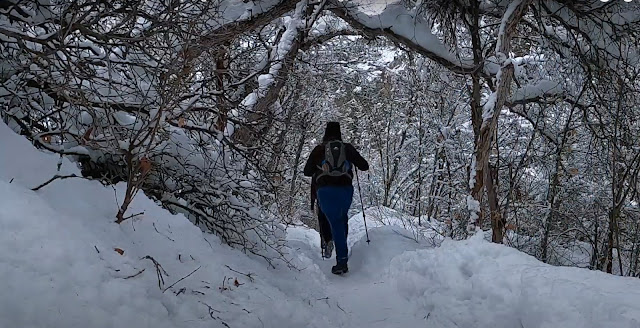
x,y
237,11
509,17
234,17
283,49
510,20
257,103
594,30
404,26
535,91
326,28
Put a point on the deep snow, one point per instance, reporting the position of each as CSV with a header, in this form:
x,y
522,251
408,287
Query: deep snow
x,y
58,268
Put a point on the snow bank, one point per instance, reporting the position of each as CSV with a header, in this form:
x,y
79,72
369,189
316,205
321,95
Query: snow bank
x,y
59,266
475,283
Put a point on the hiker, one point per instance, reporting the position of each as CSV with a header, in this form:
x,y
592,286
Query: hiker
x,y
331,165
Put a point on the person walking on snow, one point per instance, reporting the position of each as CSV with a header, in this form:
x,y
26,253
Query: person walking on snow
x,y
331,163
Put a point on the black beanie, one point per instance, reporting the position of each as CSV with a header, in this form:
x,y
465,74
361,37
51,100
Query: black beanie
x,y
332,132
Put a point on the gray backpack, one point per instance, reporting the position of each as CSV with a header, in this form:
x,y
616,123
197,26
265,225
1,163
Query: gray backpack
x,y
335,158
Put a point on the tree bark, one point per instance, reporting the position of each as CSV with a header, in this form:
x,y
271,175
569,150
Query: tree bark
x,y
496,218
491,110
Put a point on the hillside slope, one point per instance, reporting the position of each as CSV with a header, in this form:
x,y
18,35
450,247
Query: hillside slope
x,y
59,268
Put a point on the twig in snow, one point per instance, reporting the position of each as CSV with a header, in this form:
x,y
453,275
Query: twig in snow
x,y
96,247
223,288
208,242
211,314
339,307
133,215
159,270
248,275
135,275
211,310
154,227
55,177
183,278
11,180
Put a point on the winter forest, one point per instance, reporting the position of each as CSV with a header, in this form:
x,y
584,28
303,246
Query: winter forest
x,y
518,118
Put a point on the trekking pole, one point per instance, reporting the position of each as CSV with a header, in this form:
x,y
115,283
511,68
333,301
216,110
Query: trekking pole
x,y
364,217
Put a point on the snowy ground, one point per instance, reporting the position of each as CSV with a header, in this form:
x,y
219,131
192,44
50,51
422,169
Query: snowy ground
x,y
58,268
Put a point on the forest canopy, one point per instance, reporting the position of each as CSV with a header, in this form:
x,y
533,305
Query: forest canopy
x,y
519,117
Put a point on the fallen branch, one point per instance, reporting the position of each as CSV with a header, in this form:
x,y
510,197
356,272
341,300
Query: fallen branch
x,y
134,275
248,275
181,279
211,310
55,177
133,215
213,316
160,233
159,270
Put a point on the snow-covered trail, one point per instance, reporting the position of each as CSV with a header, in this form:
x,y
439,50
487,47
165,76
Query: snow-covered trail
x,y
397,282
367,295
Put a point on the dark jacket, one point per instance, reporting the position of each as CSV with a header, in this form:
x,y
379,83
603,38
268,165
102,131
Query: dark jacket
x,y
312,167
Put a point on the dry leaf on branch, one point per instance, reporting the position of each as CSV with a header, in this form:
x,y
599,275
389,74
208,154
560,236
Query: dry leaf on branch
x,y
145,165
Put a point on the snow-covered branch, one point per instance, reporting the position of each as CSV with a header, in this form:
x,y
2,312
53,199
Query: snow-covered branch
x,y
404,26
535,92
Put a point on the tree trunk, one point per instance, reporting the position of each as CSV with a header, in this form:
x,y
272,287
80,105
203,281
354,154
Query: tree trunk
x,y
294,176
491,110
497,222
594,255
549,222
609,255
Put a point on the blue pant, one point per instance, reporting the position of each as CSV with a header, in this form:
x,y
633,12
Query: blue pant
x,y
335,202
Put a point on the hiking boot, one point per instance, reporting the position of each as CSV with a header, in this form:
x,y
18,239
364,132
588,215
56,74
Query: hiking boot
x,y
340,268
328,249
